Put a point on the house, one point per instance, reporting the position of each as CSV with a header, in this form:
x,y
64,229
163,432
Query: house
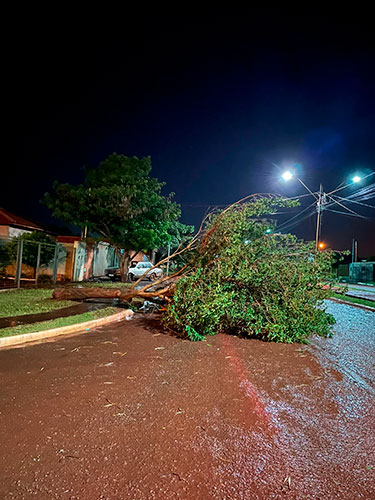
x,y
81,260
12,225
74,260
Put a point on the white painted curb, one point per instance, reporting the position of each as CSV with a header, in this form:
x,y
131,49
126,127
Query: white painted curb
x,y
54,332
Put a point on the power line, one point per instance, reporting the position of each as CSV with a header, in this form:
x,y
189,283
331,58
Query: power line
x,y
354,201
339,187
297,215
343,206
348,214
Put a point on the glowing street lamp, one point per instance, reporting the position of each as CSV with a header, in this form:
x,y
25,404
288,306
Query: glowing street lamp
x,y
287,175
322,198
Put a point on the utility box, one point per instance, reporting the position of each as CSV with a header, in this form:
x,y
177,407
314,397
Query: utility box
x,y
362,271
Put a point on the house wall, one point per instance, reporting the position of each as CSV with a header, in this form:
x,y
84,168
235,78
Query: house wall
x,y
79,261
4,231
104,257
14,232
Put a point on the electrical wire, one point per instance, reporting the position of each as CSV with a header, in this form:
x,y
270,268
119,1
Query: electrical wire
x,y
365,193
349,214
295,216
291,225
338,188
343,206
354,201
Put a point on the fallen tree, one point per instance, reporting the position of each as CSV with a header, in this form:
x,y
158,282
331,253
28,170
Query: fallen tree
x,y
241,277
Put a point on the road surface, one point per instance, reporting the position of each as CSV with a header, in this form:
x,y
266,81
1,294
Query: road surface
x,y
127,412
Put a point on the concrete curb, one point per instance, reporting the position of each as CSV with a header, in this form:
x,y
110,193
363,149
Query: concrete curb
x,y
360,306
54,332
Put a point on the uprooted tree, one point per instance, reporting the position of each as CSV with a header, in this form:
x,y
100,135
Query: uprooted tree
x,y
121,203
243,277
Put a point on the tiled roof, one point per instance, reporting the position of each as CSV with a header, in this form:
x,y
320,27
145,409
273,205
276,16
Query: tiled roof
x,y
9,219
68,239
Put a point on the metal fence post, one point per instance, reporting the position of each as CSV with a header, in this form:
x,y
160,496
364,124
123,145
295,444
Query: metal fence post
x,y
37,263
55,262
19,262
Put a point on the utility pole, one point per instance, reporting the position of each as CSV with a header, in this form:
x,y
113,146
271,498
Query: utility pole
x,y
19,262
319,204
37,263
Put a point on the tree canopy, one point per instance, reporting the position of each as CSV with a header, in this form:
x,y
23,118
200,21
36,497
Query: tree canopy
x,y
120,202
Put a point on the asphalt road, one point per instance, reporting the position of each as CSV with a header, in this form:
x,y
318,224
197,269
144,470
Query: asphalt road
x,y
128,412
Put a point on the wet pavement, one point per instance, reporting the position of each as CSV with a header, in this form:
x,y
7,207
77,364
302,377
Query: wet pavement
x,y
128,412
82,307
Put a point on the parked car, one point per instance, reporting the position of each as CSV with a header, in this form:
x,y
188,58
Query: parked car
x,y
141,268
136,270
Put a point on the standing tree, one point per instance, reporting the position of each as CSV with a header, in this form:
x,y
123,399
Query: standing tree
x,y
120,202
179,236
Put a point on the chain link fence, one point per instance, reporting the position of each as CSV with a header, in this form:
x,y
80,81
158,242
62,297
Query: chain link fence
x,y
26,263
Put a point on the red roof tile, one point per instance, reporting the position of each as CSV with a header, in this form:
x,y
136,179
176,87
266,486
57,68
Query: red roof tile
x,y
9,219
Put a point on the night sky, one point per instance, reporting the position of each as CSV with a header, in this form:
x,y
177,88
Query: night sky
x,y
220,100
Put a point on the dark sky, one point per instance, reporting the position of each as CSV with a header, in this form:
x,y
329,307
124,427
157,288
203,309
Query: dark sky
x,y
216,98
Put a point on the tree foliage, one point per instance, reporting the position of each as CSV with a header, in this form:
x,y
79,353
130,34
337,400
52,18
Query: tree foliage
x,y
179,236
30,248
247,279
120,202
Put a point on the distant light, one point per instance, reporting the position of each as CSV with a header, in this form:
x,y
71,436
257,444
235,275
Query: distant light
x,y
356,178
268,231
322,245
287,175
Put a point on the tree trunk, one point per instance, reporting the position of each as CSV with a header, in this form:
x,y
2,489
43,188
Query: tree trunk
x,y
125,294
85,293
123,262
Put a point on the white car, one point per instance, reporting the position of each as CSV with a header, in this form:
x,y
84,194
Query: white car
x,y
140,269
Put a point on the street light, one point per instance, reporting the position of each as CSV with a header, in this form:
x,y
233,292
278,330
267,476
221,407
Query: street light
x,y
287,175
322,199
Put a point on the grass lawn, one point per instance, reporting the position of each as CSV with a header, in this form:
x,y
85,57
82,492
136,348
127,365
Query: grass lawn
x,y
56,323
354,300
34,301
